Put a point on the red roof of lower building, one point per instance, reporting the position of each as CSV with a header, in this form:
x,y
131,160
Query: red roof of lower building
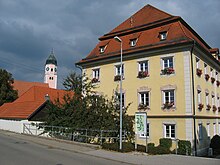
x,y
30,100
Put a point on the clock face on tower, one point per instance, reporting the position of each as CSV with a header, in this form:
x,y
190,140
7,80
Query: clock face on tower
x,y
47,69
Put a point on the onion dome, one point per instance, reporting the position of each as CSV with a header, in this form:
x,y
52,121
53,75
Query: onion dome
x,y
51,59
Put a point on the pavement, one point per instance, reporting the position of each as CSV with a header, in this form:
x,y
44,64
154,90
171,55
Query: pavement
x,y
124,158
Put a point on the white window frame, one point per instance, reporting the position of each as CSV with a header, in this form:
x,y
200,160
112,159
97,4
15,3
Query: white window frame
x,y
145,97
213,100
169,96
133,42
168,128
145,66
207,98
163,35
219,128
211,72
169,62
96,73
205,68
208,129
197,63
200,133
118,70
123,98
199,92
214,129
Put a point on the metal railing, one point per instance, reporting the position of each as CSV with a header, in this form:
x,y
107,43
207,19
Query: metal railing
x,y
74,134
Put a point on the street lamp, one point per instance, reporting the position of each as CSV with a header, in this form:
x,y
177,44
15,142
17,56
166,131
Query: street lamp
x,y
120,133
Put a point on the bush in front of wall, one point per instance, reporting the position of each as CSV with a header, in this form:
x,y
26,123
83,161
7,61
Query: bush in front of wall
x,y
165,142
215,144
126,146
184,147
158,150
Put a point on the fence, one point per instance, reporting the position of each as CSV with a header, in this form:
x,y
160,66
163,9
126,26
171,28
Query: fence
x,y
74,134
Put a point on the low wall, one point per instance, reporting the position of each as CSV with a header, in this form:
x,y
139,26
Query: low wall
x,y
13,125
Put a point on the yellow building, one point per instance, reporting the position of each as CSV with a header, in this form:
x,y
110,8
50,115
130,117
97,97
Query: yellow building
x,y
168,70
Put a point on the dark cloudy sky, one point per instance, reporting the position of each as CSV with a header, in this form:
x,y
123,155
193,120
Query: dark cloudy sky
x,y
29,29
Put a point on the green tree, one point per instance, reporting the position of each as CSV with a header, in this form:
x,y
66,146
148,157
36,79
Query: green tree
x,y
86,109
7,93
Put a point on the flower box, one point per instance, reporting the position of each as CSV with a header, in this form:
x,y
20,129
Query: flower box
x,y
167,71
214,108
117,78
207,77
217,83
208,107
200,106
95,80
143,107
199,72
212,80
142,74
168,105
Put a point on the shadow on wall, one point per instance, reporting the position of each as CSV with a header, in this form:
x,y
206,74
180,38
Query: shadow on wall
x,y
202,142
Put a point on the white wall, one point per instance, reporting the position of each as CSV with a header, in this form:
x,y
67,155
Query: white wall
x,y
13,125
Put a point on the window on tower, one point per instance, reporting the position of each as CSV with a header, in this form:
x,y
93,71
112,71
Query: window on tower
x,y
51,69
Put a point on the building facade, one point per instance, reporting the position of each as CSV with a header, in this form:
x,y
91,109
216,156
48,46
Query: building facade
x,y
168,71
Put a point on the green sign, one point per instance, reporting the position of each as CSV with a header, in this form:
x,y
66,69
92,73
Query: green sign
x,y
140,122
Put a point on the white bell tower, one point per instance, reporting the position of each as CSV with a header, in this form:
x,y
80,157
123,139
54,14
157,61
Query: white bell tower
x,y
50,75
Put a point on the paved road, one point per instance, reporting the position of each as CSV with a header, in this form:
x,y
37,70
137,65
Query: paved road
x,y
14,151
18,149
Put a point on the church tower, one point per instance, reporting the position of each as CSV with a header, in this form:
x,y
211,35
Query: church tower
x,y
50,76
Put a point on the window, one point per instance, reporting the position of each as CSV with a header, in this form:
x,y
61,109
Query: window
x,y
118,70
170,131
168,96
123,99
95,75
51,69
197,63
211,72
163,35
213,100
205,68
143,69
133,42
167,65
102,49
144,98
148,132
208,129
200,131
199,96
214,129
219,128
207,98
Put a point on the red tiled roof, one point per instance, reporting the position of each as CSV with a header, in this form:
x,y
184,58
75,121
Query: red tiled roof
x,y
146,25
23,86
29,102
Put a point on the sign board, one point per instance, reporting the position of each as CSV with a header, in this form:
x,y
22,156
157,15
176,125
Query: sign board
x,y
141,122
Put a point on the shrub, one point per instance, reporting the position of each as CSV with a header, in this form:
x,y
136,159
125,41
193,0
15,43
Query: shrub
x,y
215,144
166,143
126,146
158,150
184,147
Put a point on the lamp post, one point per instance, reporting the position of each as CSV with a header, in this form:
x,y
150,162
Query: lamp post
x,y
120,133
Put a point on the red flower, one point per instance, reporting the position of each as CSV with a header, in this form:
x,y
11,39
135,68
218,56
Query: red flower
x,y
117,78
207,77
142,74
167,71
200,106
199,72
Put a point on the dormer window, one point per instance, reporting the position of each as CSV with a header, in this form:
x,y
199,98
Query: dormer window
x,y
163,35
102,49
133,42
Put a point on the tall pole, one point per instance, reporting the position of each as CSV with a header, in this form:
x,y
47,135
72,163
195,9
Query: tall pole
x,y
121,76
121,101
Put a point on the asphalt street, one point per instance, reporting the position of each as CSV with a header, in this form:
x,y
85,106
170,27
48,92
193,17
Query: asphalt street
x,y
14,151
